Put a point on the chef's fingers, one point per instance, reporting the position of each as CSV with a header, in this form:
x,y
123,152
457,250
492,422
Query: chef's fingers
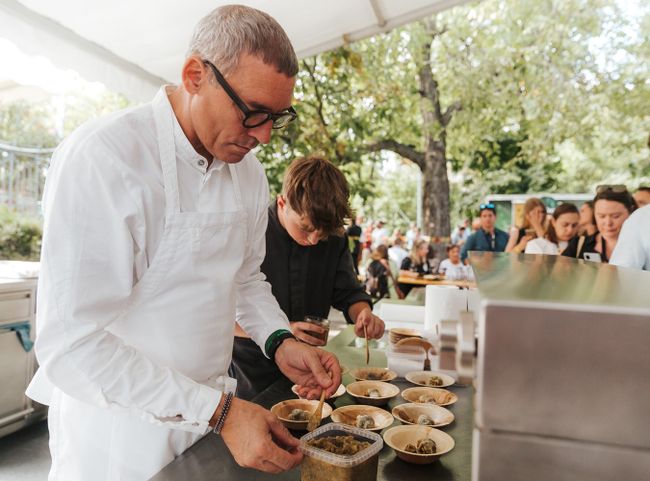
x,y
282,459
333,367
317,365
282,436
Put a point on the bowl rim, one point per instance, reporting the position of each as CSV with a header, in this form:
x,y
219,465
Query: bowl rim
x,y
411,389
445,377
363,406
314,402
391,386
423,406
333,396
391,374
408,427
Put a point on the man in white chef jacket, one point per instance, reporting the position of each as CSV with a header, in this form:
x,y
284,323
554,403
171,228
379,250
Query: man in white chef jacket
x,y
142,208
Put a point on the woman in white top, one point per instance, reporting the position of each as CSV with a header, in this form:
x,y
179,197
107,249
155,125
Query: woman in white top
x,y
562,228
452,265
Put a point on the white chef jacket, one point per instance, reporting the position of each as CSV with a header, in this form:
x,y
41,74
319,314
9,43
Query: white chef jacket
x,y
104,207
633,245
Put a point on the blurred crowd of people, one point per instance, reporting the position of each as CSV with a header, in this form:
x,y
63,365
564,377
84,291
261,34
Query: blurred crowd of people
x,y
614,228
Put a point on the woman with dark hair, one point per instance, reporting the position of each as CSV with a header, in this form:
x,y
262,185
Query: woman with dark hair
x,y
533,226
587,223
613,204
562,227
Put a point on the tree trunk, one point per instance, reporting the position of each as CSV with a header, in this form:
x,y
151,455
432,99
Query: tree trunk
x,y
435,192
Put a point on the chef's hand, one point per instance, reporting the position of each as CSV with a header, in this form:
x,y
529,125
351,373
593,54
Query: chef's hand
x,y
374,325
301,330
309,367
258,440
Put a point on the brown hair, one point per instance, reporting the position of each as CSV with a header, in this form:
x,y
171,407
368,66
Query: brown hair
x,y
530,205
317,189
613,195
561,209
414,251
380,252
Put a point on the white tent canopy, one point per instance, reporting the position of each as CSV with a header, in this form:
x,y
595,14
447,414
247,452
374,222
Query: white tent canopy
x,y
133,47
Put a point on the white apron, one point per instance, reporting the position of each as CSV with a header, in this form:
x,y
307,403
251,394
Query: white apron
x,y
181,315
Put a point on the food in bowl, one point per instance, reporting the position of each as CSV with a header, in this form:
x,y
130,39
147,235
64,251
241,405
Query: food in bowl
x,y
425,420
365,422
435,381
423,446
373,393
342,445
298,415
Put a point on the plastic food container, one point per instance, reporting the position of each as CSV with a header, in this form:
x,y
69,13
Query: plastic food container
x,y
404,359
321,465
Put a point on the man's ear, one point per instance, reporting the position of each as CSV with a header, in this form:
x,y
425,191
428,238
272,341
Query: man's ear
x,y
194,74
282,202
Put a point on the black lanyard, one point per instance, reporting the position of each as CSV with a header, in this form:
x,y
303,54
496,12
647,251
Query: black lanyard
x,y
491,240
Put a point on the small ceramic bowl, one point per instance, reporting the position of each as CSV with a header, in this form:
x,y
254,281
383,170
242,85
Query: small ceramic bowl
x,y
359,391
373,374
339,392
410,412
423,378
284,408
432,395
400,436
348,415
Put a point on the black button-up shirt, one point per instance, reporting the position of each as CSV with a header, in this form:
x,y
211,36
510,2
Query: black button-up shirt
x,y
308,280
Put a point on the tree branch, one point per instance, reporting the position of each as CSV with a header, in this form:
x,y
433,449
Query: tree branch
x,y
319,109
406,151
446,117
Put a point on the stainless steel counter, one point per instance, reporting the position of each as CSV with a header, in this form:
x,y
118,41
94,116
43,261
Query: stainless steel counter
x,y
561,370
209,459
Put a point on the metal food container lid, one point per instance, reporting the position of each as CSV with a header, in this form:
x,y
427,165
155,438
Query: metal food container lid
x,y
338,429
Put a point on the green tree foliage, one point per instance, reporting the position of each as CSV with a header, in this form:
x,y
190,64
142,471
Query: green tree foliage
x,y
20,237
552,95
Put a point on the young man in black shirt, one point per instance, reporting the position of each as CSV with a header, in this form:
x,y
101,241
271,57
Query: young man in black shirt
x,y
308,265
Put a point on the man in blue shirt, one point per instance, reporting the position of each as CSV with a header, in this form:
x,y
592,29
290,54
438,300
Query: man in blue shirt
x,y
488,237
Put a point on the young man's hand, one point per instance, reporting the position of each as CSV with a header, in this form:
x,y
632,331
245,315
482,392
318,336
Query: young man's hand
x,y
309,367
258,440
364,317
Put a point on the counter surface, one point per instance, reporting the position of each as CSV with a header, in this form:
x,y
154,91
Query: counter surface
x,y
209,459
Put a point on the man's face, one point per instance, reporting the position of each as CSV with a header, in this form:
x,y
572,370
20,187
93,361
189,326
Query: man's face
x,y
299,227
487,219
642,198
217,120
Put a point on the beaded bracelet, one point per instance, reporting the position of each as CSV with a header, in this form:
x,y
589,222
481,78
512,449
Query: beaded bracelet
x,y
224,412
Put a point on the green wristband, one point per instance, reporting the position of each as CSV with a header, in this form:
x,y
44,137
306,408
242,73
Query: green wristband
x,y
275,339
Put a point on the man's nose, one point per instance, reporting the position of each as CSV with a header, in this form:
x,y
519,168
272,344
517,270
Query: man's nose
x,y
262,133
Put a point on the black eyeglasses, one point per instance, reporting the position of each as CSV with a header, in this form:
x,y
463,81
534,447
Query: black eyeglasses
x,y
253,118
489,205
617,189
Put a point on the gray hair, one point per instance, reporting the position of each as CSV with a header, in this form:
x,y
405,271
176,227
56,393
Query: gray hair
x,y
229,32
